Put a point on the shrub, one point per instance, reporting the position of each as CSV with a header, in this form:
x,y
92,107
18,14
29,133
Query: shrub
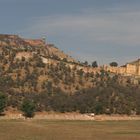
x,y
28,107
3,101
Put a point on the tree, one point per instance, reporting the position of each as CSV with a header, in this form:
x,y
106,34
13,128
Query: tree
x,y
94,64
98,108
28,107
3,101
86,63
113,64
49,86
65,60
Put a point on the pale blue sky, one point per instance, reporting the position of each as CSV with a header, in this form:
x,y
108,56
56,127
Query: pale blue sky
x,y
102,30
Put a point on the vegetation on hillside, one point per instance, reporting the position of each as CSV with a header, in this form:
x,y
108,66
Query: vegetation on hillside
x,y
3,101
62,85
28,107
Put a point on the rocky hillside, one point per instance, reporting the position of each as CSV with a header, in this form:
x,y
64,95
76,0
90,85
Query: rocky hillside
x,y
54,81
31,66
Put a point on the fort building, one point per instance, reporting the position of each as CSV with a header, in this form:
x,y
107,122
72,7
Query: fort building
x,y
130,69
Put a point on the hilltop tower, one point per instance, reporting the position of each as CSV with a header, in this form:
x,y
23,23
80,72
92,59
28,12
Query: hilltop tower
x,y
44,40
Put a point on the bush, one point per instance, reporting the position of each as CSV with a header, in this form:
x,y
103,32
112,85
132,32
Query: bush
x,y
28,107
114,64
3,101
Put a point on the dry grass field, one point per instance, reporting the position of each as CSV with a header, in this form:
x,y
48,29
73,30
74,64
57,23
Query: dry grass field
x,y
69,130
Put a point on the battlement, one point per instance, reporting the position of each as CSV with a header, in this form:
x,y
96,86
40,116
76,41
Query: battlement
x,y
35,42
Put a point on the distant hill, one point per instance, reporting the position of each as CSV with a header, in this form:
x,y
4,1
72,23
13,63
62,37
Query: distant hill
x,y
30,68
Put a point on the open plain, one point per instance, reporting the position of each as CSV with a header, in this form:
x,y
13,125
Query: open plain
x,y
32,129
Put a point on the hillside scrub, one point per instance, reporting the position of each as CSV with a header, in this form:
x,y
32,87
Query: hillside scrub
x,y
51,80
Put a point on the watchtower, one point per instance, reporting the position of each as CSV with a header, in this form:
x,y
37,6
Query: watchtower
x,y
44,40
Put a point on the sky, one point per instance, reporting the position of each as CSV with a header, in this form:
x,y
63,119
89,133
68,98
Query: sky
x,y
92,30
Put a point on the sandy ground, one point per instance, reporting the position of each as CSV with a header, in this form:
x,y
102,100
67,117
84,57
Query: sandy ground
x,y
68,116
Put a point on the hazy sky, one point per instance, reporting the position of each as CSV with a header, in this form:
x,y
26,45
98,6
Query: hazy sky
x,y
102,30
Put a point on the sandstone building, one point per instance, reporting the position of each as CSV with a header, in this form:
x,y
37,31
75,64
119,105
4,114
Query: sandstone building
x,y
130,69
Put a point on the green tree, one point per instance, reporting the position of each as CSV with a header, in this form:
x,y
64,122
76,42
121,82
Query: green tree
x,y
65,60
113,64
3,101
28,107
86,63
98,108
94,64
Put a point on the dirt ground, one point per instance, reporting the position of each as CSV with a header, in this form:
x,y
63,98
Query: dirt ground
x,y
14,114
68,130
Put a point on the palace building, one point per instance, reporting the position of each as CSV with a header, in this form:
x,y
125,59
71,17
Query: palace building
x,y
130,69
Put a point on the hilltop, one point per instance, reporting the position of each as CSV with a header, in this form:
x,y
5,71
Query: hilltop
x,y
30,66
32,46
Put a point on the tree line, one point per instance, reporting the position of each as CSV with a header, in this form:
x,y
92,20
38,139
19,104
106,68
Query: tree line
x,y
109,98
